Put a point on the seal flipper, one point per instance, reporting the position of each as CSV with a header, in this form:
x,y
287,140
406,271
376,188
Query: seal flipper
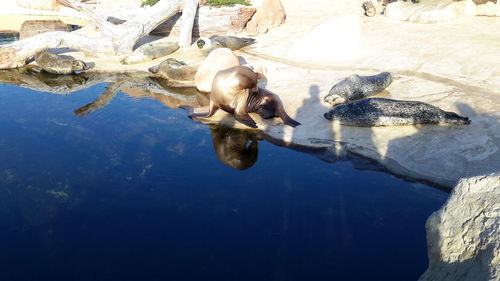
x,y
453,118
245,119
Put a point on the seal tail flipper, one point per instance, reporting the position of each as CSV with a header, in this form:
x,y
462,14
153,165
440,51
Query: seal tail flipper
x,y
453,118
247,41
285,117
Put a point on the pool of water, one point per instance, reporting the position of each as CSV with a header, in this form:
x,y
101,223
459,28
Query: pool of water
x,y
127,188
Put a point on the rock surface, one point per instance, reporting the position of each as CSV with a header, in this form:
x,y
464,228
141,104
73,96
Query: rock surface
x,y
430,11
463,237
336,41
269,13
51,5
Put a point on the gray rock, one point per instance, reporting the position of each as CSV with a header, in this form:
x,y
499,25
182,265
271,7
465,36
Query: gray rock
x,y
463,237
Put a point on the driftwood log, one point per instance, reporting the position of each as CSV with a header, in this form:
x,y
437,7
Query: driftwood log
x,y
111,39
210,21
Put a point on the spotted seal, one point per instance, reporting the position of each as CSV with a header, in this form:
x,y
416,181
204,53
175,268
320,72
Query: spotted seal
x,y
151,51
58,64
373,112
235,90
357,87
218,41
174,70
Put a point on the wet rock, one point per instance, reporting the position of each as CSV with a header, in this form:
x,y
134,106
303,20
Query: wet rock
x,y
463,237
269,13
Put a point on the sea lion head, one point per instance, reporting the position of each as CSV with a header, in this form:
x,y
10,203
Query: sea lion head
x,y
154,69
200,43
79,65
334,99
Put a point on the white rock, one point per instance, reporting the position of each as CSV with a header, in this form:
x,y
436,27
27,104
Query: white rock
x,y
430,11
269,13
488,9
336,41
463,237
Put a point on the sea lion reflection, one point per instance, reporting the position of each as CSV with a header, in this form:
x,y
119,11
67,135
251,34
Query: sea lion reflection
x,y
232,149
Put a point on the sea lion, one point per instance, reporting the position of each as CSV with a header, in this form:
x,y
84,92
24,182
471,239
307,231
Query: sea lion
x,y
235,90
216,61
174,70
387,112
232,149
151,51
217,41
59,64
357,87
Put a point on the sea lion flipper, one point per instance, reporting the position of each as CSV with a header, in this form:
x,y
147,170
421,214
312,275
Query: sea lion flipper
x,y
246,119
241,110
201,111
280,111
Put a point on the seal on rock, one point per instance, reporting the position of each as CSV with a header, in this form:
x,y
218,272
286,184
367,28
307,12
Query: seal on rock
x,y
151,51
357,87
235,90
373,112
57,64
216,61
173,69
218,41
232,149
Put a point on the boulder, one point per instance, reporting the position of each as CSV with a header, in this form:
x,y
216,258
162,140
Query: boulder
x,y
489,8
34,27
337,40
463,237
430,11
269,13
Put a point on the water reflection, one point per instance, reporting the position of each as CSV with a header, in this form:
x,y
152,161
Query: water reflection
x,y
232,149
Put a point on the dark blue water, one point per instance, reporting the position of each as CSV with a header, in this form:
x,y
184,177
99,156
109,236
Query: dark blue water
x,y
134,191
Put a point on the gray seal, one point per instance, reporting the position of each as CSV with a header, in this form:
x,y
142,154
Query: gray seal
x,y
57,64
235,90
218,41
373,112
357,87
173,69
151,51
